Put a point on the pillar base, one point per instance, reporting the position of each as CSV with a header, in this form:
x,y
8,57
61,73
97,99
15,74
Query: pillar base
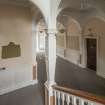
x,y
49,96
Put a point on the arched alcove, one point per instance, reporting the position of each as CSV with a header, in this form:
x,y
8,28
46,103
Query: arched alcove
x,y
60,35
94,30
73,41
60,39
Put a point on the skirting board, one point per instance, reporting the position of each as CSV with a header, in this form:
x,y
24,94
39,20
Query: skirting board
x,y
18,86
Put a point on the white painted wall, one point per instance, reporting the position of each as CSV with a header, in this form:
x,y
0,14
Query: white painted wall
x,y
60,51
73,56
16,26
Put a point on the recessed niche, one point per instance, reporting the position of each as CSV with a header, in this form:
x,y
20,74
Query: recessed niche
x,y
11,51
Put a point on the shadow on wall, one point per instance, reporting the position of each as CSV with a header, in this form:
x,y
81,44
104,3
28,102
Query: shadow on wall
x,y
42,76
41,72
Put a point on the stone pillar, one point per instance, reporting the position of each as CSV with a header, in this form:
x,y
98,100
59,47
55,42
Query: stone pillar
x,y
51,67
51,55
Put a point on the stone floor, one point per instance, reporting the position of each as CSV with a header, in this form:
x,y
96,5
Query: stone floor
x,y
26,96
31,95
67,74
72,76
75,77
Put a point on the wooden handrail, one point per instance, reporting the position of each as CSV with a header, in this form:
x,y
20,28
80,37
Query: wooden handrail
x,y
82,94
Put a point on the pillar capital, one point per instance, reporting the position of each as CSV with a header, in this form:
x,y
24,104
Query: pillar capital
x,y
52,31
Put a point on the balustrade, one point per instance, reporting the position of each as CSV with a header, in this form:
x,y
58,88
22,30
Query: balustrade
x,y
65,96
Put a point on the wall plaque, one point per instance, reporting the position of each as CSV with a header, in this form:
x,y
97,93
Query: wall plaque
x,y
11,51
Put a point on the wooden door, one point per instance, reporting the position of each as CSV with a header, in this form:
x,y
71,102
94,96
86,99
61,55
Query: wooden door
x,y
91,53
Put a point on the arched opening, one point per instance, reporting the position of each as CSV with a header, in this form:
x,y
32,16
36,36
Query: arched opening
x,y
18,25
60,37
41,49
41,36
69,40
73,41
94,32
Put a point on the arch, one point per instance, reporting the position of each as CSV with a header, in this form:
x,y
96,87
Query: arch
x,y
41,24
96,23
41,27
73,27
39,6
42,6
94,27
94,8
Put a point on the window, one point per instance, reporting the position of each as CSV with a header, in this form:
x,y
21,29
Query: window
x,y
41,40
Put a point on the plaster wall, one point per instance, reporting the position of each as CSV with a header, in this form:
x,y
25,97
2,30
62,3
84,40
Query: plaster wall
x,y
16,26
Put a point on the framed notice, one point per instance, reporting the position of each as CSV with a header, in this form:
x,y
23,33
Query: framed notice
x,y
11,51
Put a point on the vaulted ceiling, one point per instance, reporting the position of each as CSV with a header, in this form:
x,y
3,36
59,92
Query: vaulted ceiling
x,y
81,10
77,9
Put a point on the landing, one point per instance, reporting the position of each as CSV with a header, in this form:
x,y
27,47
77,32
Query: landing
x,y
75,77
26,96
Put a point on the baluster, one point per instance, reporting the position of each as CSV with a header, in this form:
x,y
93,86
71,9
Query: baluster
x,y
59,98
81,101
63,99
68,100
55,95
74,100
